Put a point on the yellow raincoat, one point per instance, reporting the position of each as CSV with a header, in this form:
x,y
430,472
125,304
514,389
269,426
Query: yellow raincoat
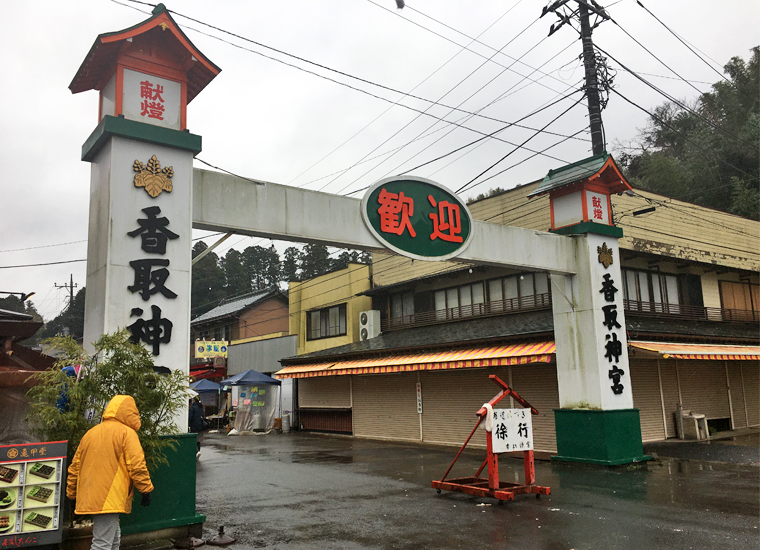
x,y
109,462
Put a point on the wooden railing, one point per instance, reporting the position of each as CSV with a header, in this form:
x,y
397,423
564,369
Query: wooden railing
x,y
544,301
487,309
692,313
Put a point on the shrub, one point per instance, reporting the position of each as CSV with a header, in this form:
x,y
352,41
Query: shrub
x,y
65,407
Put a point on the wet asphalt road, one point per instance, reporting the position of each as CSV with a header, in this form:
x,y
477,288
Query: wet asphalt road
x,y
310,491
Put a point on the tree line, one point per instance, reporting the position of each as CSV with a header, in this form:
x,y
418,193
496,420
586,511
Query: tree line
x,y
256,268
706,152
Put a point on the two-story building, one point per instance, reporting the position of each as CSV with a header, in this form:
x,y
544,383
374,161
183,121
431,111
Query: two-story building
x,y
692,305
258,315
324,314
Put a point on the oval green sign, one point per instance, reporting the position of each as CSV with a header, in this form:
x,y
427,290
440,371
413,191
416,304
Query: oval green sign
x,y
417,218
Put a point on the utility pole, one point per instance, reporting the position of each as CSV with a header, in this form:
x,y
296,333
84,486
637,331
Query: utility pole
x,y
592,86
566,15
70,287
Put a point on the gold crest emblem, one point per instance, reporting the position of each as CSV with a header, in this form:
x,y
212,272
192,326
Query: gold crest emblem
x,y
605,255
152,177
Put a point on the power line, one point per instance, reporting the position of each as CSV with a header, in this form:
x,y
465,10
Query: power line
x,y
466,185
677,102
529,157
465,118
38,265
682,41
489,135
397,168
475,40
43,246
664,123
324,67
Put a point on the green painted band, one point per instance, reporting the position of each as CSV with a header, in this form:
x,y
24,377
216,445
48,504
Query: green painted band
x,y
163,524
590,227
619,462
131,129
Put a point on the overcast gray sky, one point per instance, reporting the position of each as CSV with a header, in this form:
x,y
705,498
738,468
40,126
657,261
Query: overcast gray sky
x,y
263,119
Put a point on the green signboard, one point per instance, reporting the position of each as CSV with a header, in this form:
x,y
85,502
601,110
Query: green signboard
x,y
417,218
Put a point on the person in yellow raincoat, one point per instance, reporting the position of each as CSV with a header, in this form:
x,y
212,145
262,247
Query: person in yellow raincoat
x,y
108,464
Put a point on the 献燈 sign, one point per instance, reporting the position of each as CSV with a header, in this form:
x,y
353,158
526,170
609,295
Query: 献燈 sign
x,y
417,218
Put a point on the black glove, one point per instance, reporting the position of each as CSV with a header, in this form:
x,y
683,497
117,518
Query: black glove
x,y
145,499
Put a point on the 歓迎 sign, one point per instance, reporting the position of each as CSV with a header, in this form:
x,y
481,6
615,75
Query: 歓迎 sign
x,y
417,218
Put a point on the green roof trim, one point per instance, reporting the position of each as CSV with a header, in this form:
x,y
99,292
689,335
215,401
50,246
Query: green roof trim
x,y
590,227
572,173
131,129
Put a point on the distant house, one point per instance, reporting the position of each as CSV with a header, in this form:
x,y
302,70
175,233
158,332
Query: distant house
x,y
17,365
258,315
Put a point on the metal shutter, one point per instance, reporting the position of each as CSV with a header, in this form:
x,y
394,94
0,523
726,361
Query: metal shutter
x,y
450,400
751,375
737,393
537,384
703,388
324,392
645,384
385,406
669,382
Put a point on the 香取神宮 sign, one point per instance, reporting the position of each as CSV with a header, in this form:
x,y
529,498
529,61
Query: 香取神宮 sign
x,y
417,218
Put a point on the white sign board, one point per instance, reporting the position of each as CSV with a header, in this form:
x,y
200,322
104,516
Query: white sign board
x,y
512,430
152,99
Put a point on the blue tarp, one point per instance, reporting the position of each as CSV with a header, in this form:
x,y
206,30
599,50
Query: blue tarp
x,y
250,378
205,386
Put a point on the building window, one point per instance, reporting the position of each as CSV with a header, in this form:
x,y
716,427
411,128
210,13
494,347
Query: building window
x,y
740,301
524,291
651,291
223,333
327,322
402,308
460,301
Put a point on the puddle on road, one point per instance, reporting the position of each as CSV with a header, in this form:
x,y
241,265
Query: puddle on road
x,y
319,457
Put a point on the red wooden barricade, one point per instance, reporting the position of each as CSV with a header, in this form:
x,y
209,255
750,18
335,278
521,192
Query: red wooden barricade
x,y
492,487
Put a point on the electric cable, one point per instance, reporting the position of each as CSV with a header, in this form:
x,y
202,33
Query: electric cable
x,y
461,103
528,158
664,123
676,101
397,168
469,183
682,41
391,107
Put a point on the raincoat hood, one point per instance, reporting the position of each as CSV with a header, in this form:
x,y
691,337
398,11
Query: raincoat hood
x,y
123,409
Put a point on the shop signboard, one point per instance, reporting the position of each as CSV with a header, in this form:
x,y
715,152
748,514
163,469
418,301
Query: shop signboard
x,y
417,218
32,492
210,348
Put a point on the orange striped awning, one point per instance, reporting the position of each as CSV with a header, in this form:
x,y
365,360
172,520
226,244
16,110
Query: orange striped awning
x,y
700,351
515,354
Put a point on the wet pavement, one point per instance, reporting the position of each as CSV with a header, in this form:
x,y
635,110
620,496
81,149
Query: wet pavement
x,y
312,491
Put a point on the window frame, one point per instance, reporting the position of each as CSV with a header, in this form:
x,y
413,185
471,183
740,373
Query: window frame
x,y
324,323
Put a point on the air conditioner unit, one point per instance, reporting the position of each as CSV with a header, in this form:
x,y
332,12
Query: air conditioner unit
x,y
369,324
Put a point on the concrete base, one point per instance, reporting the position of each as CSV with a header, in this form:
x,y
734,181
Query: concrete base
x,y
81,538
608,438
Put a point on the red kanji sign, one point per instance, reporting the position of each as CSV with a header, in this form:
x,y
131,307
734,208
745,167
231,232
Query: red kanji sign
x,y
153,103
447,219
393,206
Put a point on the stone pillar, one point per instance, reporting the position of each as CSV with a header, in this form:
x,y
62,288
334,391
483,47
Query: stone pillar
x,y
596,421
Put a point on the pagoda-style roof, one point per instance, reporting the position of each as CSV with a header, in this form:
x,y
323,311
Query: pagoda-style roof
x,y
101,59
600,168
